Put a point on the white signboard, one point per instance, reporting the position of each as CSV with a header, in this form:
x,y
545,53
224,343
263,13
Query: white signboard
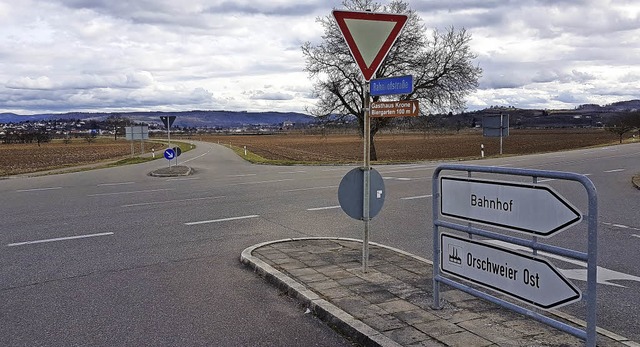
x,y
529,208
137,132
522,276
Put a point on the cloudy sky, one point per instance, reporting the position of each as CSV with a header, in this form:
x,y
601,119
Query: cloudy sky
x,y
168,55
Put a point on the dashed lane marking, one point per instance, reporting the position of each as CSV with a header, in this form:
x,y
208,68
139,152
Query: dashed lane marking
x,y
621,226
417,197
312,188
173,201
222,220
132,192
323,208
37,189
58,239
115,184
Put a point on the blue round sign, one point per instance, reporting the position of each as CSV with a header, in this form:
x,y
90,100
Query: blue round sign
x,y
169,154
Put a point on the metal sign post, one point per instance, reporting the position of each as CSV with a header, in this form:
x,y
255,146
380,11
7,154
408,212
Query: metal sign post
x,y
496,126
367,179
168,121
369,37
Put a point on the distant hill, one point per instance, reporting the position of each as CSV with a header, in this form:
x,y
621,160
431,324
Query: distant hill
x,y
582,116
223,119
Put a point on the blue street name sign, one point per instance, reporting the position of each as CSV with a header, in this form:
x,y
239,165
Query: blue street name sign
x,y
169,154
392,85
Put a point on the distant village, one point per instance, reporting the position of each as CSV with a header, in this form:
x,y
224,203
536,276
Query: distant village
x,y
46,130
622,115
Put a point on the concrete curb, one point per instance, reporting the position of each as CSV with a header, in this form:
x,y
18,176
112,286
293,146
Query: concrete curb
x,y
174,171
326,311
635,180
341,320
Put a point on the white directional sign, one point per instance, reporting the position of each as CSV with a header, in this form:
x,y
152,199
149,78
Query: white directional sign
x,y
522,276
529,208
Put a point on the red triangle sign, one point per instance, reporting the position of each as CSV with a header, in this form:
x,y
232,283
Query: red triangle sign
x,y
369,36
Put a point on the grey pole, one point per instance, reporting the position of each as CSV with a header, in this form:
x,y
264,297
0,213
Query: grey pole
x,y
367,179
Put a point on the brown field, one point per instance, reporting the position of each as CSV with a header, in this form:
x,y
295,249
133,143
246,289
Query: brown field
x,y
18,159
401,147
337,148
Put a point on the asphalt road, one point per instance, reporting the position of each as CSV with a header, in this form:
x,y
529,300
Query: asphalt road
x,y
115,257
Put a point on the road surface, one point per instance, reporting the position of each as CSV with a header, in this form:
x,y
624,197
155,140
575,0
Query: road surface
x,y
116,257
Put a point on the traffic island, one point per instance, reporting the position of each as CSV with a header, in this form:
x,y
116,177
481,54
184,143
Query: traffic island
x,y
172,171
636,181
390,305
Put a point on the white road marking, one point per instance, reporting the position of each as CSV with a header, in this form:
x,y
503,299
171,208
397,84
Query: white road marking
x,y
221,220
194,158
183,179
417,197
604,275
173,201
115,184
313,188
323,208
409,169
132,192
37,189
259,182
634,235
546,180
396,178
58,239
292,172
615,170
621,226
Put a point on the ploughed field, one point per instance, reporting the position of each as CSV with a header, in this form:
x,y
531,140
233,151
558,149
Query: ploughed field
x,y
402,147
291,147
18,159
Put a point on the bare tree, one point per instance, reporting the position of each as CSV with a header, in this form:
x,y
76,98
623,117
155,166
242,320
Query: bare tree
x,y
118,122
441,65
624,124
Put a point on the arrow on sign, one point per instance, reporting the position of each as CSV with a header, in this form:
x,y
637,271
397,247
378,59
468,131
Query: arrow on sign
x,y
403,108
529,208
369,36
522,276
169,154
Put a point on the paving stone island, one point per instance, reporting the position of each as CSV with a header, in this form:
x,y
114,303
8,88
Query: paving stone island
x,y
173,171
390,305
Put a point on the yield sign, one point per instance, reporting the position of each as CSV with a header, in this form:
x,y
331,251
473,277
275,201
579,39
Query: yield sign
x,y
167,120
369,36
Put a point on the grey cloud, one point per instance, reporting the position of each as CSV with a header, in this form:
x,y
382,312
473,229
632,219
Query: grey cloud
x,y
546,75
267,8
268,95
571,98
125,81
96,99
